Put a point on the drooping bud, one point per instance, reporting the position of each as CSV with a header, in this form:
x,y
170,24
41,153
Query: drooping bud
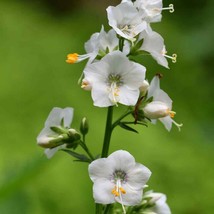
x,y
84,126
51,142
157,109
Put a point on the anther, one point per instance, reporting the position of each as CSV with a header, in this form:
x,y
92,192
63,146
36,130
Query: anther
x,y
173,57
72,58
170,8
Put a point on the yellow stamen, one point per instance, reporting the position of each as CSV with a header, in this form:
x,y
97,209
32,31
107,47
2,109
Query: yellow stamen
x,y
72,58
122,190
115,192
171,113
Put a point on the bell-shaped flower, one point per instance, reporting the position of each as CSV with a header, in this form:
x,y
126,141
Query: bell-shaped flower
x,y
161,105
154,44
55,133
156,203
126,20
118,178
114,79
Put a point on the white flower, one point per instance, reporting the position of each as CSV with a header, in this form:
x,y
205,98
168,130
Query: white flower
x,y
151,9
154,44
99,43
158,202
161,106
126,20
114,79
50,139
118,178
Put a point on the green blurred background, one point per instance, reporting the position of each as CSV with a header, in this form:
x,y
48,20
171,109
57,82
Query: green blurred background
x,y
35,37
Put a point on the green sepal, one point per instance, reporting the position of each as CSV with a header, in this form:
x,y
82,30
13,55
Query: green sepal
x,y
135,50
59,130
80,157
128,128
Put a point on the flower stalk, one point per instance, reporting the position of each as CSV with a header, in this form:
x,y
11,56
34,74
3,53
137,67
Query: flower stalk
x,y
108,132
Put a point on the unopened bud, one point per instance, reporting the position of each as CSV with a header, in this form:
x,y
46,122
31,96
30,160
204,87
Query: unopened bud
x,y
154,197
156,109
50,142
73,135
84,126
86,85
144,87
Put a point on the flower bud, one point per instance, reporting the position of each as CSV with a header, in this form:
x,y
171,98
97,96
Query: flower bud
x,y
84,126
154,197
50,142
144,87
156,109
86,85
73,135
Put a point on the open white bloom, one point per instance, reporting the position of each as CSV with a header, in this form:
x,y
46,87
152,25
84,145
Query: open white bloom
x,y
99,43
154,44
50,139
114,79
126,20
151,9
157,202
161,106
118,178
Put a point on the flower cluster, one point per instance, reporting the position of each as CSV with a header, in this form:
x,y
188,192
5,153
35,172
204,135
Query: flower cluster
x,y
114,77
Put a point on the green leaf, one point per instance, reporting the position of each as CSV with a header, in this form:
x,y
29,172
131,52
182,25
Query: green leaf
x,y
128,128
80,157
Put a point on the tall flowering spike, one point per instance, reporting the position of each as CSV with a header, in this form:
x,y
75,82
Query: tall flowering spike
x,y
118,178
55,131
114,79
156,203
161,106
126,20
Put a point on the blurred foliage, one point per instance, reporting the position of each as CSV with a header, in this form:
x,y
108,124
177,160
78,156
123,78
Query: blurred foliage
x,y
34,78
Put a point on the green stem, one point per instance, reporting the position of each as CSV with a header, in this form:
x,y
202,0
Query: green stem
x,y
108,209
120,118
83,145
121,43
99,208
108,131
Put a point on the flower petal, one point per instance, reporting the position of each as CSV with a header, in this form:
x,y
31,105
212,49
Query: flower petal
x,y
128,97
138,176
167,122
100,168
121,160
131,197
102,191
